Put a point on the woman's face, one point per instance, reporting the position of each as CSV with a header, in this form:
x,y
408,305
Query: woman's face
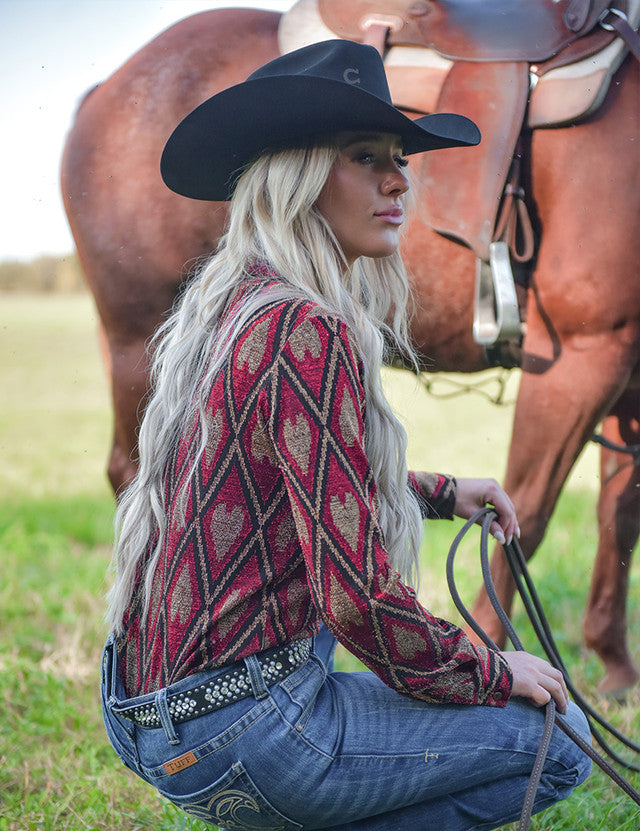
x,y
362,197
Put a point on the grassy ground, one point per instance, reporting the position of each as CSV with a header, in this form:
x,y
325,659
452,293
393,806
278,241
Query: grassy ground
x,y
57,770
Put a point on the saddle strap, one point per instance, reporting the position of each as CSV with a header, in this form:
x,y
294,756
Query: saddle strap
x,y
514,223
615,19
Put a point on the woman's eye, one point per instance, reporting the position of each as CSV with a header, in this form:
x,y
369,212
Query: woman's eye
x,y
367,157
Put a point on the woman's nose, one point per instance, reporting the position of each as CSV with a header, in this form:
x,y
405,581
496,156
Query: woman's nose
x,y
395,182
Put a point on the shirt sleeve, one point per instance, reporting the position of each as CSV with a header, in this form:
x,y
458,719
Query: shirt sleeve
x,y
436,494
315,417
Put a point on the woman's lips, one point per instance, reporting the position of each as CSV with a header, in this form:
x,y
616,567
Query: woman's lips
x,y
392,215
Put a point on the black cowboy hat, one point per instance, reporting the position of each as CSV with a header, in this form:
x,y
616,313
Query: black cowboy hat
x,y
291,101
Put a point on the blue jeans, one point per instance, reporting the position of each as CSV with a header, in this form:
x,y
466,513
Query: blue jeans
x,y
342,751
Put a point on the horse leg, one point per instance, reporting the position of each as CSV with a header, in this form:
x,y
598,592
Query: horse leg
x,y
105,352
130,307
569,393
605,627
126,391
128,388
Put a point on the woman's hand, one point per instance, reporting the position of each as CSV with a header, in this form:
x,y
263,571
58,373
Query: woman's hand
x,y
535,679
473,494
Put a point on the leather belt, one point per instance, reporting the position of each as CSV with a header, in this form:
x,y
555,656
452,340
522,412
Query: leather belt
x,y
224,689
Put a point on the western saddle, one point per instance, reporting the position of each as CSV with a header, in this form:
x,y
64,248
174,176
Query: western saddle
x,y
509,65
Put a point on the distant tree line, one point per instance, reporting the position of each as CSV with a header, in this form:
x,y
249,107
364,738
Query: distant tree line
x,y
42,274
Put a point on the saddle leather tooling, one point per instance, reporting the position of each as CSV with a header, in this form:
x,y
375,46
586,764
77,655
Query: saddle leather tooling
x,y
510,65
471,30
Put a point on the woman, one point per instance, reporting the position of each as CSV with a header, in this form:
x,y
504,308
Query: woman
x,y
273,512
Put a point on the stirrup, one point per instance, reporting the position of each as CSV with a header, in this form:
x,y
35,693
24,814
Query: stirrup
x,y
496,316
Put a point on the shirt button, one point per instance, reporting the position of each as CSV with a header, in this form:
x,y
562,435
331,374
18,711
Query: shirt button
x,y
497,696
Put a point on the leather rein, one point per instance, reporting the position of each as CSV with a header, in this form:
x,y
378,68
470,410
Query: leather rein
x,y
540,624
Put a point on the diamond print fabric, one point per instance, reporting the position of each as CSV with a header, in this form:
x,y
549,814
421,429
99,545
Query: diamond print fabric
x,y
280,531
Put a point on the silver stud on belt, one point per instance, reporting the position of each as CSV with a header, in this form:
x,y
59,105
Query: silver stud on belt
x,y
232,686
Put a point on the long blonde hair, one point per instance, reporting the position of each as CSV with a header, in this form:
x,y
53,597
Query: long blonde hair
x,y
273,217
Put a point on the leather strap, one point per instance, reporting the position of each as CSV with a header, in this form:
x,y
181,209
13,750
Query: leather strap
x,y
617,20
514,223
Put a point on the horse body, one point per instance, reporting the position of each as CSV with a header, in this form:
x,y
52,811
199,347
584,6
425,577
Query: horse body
x,y
581,351
135,238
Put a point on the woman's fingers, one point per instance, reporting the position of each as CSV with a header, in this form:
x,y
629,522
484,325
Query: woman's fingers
x,y
535,679
476,493
507,521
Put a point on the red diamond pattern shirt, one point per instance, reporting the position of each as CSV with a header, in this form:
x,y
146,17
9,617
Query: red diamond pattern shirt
x,y
280,531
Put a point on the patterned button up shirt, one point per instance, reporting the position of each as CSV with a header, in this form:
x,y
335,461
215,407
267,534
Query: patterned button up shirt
x,y
280,531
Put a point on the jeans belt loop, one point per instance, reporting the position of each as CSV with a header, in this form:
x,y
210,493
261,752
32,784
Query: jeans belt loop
x,y
165,716
111,653
256,678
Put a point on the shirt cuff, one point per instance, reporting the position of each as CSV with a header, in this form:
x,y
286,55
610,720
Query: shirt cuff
x,y
436,494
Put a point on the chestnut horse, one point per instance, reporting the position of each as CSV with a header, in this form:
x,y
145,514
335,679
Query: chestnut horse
x,y
581,352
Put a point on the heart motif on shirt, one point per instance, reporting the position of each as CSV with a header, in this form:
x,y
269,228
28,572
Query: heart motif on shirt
x,y
285,533
230,613
348,420
214,435
181,597
260,443
342,606
300,524
297,594
225,528
156,592
305,337
346,516
297,437
409,643
254,346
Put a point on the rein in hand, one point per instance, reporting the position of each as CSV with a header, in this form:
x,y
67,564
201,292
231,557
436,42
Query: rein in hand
x,y
526,589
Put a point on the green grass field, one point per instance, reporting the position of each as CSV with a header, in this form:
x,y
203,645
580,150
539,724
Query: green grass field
x,y
57,770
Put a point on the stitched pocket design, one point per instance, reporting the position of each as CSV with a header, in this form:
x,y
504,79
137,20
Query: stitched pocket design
x,y
235,803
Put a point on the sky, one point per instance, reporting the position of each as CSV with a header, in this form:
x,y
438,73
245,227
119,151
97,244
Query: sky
x,y
51,53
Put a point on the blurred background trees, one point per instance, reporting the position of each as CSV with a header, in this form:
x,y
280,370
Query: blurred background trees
x,y
46,274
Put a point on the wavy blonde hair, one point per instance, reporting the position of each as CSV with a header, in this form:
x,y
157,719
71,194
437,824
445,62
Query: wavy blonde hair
x,y
273,217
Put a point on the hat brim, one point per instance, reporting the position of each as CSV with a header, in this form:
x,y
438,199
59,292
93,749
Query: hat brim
x,y
213,144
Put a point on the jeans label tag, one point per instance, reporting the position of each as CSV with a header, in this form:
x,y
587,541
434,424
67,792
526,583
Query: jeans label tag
x,y
180,763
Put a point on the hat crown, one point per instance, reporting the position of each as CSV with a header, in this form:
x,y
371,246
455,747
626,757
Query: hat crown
x,y
354,64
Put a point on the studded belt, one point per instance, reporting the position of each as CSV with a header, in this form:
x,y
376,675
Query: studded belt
x,y
223,689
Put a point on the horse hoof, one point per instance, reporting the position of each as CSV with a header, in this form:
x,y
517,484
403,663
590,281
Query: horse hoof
x,y
617,685
619,696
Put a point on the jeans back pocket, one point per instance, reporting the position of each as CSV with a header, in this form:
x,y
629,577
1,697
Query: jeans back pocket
x,y
234,803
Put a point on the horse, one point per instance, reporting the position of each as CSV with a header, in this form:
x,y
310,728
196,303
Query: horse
x,y
580,354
